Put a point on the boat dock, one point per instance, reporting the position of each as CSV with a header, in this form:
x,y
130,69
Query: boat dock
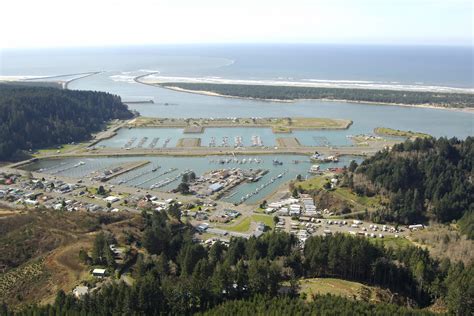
x,y
263,186
155,177
108,174
130,142
153,142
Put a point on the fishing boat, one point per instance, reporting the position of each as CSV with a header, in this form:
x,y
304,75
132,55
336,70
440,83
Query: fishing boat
x,y
314,169
276,162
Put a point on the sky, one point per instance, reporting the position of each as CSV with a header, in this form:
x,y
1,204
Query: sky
x,y
66,23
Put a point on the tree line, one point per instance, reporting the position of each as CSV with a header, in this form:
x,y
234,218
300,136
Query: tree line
x,y
176,275
36,117
362,95
321,305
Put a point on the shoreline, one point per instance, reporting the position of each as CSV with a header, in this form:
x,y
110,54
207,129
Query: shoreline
x,y
64,84
215,94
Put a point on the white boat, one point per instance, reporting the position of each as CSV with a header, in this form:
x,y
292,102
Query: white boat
x,y
314,169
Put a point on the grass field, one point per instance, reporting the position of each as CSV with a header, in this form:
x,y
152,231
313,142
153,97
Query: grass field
x,y
360,203
313,183
321,286
63,149
266,219
241,227
348,289
384,131
392,242
278,125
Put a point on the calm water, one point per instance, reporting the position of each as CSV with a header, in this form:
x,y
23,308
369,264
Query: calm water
x,y
448,66
144,178
366,117
439,66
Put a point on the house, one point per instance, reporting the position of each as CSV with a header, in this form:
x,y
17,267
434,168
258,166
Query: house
x,y
99,273
416,226
31,202
215,187
202,227
269,210
111,199
232,213
283,211
295,209
80,291
58,206
275,205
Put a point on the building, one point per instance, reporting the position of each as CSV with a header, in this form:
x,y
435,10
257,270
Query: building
x,y
215,187
99,273
269,210
295,210
416,226
111,199
202,227
80,290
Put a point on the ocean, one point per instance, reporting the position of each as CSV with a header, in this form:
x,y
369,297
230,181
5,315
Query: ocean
x,y
450,67
407,65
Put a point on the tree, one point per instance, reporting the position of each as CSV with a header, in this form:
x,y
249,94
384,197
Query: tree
x,y
327,185
84,257
183,188
101,190
275,219
36,117
98,255
175,211
295,193
353,166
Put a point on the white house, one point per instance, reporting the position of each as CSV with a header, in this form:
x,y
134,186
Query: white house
x,y
295,209
269,210
99,273
111,199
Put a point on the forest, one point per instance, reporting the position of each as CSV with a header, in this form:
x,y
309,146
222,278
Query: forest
x,y
267,92
425,179
176,275
36,117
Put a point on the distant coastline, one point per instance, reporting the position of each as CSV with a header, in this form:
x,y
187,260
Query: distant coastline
x,y
215,94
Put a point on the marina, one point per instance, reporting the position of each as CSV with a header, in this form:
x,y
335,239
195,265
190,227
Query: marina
x,y
148,138
143,177
154,142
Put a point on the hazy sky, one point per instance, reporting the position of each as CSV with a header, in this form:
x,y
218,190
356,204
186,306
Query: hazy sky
x,y
44,23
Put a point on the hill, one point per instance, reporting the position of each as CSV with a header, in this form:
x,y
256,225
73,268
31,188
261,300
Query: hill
x,y
425,179
35,117
39,252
